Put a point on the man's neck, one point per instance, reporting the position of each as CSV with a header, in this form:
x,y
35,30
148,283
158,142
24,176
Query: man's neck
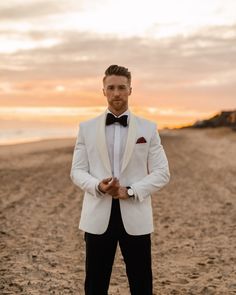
x,y
117,113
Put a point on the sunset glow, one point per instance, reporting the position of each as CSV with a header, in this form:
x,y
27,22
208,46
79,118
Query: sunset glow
x,y
54,53
164,117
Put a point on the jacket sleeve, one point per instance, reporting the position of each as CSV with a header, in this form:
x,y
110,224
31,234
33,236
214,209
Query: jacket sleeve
x,y
80,167
158,170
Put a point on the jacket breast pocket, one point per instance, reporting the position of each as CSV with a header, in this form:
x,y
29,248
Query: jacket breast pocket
x,y
141,148
141,145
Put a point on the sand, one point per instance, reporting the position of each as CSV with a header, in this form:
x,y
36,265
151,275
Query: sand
x,y
194,243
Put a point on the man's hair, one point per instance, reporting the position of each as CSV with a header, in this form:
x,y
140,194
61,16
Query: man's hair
x,y
118,71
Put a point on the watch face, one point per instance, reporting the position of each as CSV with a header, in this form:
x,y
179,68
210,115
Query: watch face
x,y
130,192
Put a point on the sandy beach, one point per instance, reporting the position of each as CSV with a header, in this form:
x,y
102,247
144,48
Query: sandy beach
x,y
194,243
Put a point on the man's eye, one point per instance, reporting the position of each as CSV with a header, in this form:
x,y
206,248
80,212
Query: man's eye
x,y
122,87
110,87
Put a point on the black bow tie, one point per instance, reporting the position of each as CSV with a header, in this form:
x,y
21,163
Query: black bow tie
x,y
111,119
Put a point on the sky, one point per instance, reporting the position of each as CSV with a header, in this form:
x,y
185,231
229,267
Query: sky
x,y
182,55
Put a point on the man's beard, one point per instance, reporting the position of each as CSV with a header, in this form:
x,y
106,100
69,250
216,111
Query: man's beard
x,y
118,104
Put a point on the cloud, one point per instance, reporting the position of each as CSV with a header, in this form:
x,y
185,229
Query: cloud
x,y
179,69
17,10
209,51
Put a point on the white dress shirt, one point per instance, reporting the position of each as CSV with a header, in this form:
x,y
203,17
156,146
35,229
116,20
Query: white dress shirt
x,y
116,137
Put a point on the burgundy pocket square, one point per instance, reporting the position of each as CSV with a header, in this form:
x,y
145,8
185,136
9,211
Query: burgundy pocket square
x,y
141,140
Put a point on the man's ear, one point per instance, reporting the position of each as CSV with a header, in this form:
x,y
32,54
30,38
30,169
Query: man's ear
x,y
130,90
103,90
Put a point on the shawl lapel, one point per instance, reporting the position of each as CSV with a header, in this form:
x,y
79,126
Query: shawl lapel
x,y
101,143
130,142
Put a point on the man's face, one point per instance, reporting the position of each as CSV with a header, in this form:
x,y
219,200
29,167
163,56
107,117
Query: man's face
x,y
117,90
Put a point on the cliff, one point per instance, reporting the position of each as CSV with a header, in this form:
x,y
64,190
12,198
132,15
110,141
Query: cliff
x,y
223,119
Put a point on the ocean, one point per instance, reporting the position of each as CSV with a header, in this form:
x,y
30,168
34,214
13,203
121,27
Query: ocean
x,y
27,124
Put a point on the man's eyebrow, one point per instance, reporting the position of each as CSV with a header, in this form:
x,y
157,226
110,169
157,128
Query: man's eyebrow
x,y
117,85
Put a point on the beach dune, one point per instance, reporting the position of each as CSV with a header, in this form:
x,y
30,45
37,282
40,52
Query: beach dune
x,y
194,243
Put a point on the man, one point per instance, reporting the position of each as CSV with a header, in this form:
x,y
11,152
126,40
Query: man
x,y
119,162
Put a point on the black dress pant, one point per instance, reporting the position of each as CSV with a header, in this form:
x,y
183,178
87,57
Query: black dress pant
x,y
100,254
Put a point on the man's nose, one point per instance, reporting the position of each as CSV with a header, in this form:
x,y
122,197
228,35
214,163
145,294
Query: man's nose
x,y
116,92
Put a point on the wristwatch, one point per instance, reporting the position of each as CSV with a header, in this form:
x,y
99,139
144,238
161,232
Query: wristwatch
x,y
130,192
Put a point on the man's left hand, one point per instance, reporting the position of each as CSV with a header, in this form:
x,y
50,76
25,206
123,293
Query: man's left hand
x,y
122,193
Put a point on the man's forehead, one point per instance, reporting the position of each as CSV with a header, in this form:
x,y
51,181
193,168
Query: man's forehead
x,y
116,80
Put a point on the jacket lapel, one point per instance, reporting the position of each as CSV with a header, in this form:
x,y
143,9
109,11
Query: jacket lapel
x,y
130,142
101,143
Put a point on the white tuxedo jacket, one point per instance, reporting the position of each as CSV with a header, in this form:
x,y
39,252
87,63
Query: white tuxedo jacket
x,y
144,167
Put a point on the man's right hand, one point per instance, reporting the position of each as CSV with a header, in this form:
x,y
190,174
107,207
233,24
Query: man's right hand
x,y
110,186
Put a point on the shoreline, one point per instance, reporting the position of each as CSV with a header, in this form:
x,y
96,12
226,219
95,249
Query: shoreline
x,y
40,140
162,132
37,146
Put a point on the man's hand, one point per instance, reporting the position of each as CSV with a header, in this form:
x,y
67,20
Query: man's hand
x,y
122,193
110,186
